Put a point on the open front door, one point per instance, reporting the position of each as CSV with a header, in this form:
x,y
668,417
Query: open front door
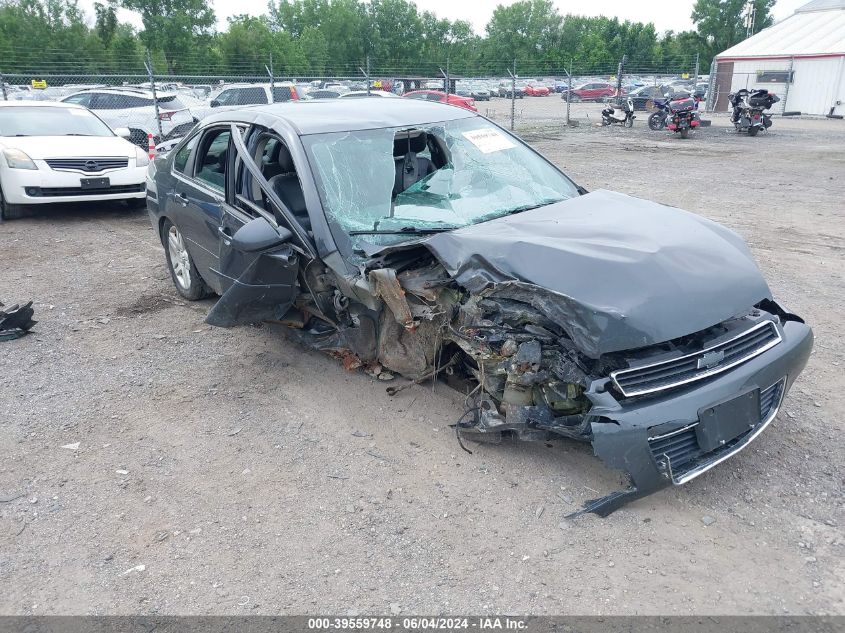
x,y
258,269
258,251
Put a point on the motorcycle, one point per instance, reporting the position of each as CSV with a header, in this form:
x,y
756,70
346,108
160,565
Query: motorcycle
x,y
678,113
622,113
657,120
748,110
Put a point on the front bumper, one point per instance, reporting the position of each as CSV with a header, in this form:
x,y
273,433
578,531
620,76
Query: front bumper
x,y
48,186
632,435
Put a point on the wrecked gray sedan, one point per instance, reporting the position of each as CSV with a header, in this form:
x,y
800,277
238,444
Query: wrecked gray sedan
x,y
422,239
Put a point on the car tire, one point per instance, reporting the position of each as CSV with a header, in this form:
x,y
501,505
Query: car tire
x,y
574,99
10,211
184,273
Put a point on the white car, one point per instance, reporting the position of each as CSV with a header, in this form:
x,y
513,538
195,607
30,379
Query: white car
x,y
363,93
134,108
253,94
59,152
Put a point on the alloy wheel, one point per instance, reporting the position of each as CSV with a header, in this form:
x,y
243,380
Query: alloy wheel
x,y
179,258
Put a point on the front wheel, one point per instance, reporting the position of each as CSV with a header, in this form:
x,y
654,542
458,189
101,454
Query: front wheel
x,y
752,131
574,99
629,122
10,211
184,273
656,121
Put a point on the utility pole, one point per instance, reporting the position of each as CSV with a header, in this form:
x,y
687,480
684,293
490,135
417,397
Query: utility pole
x,y
149,64
568,90
751,13
269,70
513,94
619,72
695,81
366,72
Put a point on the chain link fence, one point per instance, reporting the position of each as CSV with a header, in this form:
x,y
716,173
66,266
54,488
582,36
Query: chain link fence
x,y
776,76
158,108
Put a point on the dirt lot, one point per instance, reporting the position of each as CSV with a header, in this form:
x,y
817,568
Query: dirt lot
x,y
231,471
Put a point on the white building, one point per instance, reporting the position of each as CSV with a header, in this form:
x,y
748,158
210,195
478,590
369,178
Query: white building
x,y
801,59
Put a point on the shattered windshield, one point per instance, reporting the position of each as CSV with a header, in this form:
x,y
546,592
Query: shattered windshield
x,y
387,185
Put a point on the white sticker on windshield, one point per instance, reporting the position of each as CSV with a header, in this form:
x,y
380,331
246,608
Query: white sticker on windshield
x,y
489,140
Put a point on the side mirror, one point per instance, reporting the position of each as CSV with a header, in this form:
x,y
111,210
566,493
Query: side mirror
x,y
123,132
259,235
214,103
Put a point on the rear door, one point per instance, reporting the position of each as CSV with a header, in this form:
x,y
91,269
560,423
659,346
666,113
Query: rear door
x,y
259,255
199,194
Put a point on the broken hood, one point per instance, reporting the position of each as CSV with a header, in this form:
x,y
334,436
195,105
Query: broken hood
x,y
616,272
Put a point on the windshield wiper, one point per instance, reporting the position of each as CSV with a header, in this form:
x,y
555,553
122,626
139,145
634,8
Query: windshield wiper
x,y
412,230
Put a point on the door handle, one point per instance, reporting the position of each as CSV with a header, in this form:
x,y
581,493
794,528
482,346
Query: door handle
x,y
182,199
225,234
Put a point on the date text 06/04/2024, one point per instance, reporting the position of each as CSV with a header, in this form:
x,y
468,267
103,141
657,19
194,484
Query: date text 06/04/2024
x,y
416,623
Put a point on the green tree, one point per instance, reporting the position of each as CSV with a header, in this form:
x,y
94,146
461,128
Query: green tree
x,y
174,27
528,30
720,23
105,22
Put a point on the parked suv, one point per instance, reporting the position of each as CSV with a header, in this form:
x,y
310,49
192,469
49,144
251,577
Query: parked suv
x,y
252,94
134,108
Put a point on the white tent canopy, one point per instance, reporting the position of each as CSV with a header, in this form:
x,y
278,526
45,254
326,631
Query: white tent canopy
x,y
817,28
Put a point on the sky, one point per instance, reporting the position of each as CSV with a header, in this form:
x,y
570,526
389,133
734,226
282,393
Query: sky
x,y
673,16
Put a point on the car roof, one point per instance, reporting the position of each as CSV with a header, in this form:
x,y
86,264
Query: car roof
x,y
124,90
378,93
336,115
40,104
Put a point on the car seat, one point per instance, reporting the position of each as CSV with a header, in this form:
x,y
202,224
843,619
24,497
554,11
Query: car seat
x,y
286,185
410,168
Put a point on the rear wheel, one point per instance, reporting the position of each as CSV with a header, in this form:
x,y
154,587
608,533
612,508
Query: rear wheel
x,y
752,131
184,273
685,132
10,211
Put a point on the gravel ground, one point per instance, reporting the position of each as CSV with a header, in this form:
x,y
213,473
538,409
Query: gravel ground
x,y
232,471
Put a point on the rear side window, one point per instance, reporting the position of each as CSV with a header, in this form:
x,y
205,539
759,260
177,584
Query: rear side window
x,y
80,99
105,101
210,164
180,161
281,93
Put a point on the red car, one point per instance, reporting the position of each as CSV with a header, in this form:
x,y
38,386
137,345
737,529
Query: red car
x,y
535,90
441,97
591,92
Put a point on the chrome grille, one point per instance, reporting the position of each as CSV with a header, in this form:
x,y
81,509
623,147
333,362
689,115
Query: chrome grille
x,y
87,165
690,367
679,449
